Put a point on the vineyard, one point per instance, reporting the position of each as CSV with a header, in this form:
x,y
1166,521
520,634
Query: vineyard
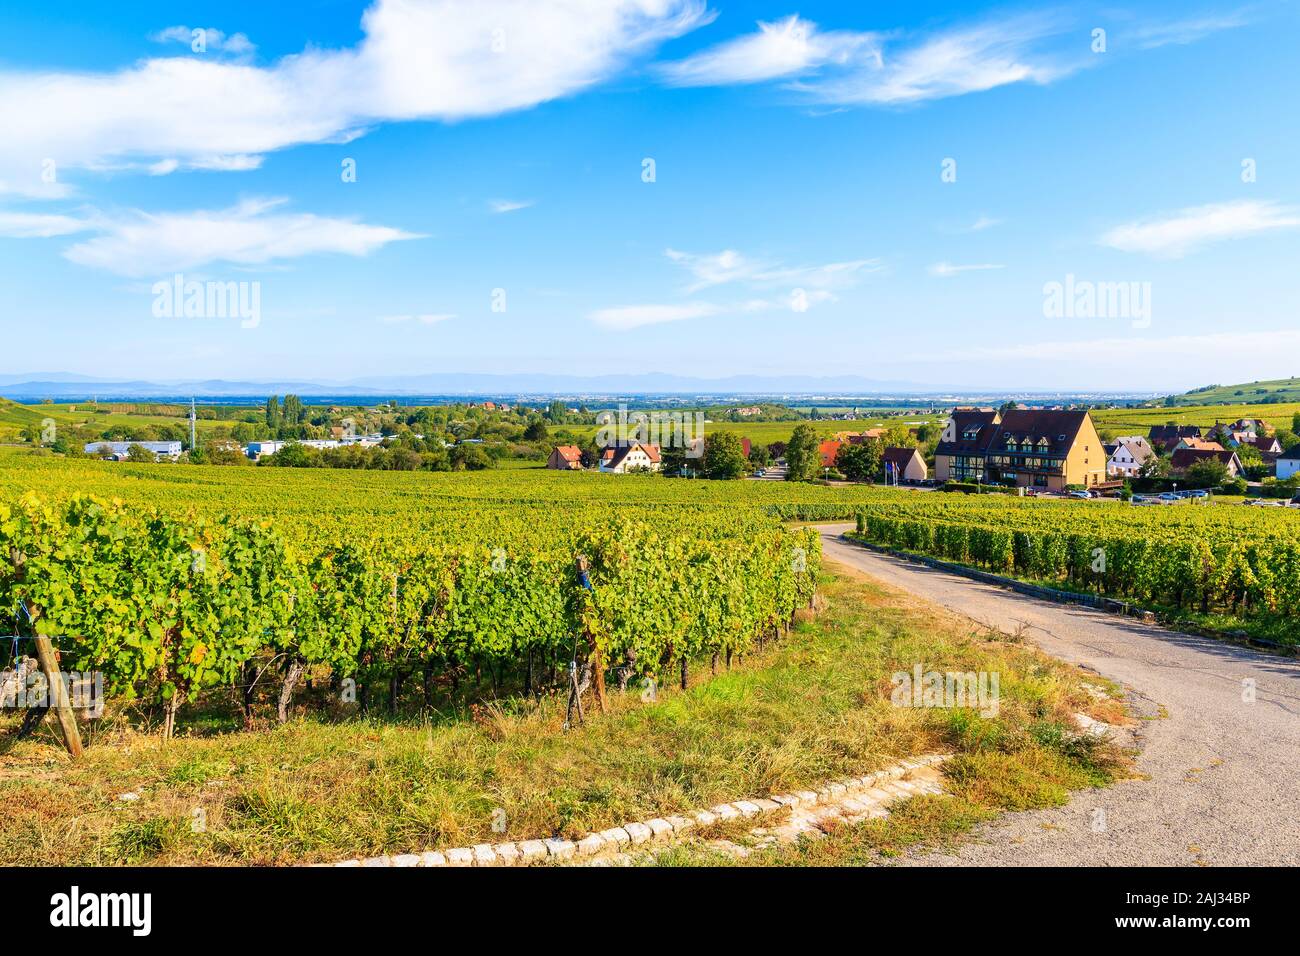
x,y
1203,559
174,581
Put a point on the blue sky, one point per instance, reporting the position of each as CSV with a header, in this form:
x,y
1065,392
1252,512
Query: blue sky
x,y
799,220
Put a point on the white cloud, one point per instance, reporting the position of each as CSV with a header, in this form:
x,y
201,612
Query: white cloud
x,y
251,233
509,205
945,270
786,48
634,316
426,319
1174,236
418,60
952,63
982,223
213,40
721,268
1181,32
874,68
26,225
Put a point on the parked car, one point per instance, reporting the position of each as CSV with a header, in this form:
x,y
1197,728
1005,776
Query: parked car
x,y
1169,497
1198,494
1080,494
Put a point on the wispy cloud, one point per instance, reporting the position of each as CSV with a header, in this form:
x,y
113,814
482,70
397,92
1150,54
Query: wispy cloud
x,y
634,316
1151,35
418,60
251,233
1174,236
206,39
509,205
877,68
26,225
874,68
946,270
982,223
721,268
789,47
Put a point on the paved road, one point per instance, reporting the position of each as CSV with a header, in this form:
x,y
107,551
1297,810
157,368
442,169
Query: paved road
x,y
1222,776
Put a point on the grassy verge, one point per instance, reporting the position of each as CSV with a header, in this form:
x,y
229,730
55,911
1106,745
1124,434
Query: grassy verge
x,y
814,707
1278,630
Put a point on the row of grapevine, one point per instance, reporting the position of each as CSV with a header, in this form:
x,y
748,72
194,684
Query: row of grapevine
x,y
1235,573
167,606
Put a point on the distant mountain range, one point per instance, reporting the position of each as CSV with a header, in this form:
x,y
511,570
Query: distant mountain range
x,y
65,386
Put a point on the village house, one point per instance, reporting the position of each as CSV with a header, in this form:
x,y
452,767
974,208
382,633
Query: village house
x,y
565,458
1267,445
1166,437
636,456
828,452
964,443
904,464
1185,458
1128,456
1199,444
1288,464
1047,449
118,450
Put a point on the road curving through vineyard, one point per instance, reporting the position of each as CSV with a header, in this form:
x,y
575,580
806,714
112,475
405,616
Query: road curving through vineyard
x,y
1220,733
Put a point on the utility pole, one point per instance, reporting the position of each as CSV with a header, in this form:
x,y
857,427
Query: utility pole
x,y
193,417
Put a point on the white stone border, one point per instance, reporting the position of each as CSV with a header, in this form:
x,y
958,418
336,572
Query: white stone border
x,y
853,799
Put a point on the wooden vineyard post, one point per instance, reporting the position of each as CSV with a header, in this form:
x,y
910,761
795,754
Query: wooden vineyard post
x,y
49,663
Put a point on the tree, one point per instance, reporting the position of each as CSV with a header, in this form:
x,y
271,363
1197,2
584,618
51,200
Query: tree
x,y
724,456
294,412
273,412
557,413
536,431
1155,467
140,453
759,455
470,458
802,454
1207,474
860,462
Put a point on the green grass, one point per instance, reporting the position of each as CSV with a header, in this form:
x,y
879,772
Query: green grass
x,y
814,707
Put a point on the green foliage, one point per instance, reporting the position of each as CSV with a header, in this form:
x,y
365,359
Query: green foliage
x,y
167,605
860,462
724,456
801,454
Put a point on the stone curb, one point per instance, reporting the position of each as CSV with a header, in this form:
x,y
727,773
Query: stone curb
x,y
861,797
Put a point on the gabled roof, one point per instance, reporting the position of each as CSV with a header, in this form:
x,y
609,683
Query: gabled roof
x,y
569,452
979,423
613,456
1200,444
1186,457
900,457
1059,428
1138,449
1166,432
1293,454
